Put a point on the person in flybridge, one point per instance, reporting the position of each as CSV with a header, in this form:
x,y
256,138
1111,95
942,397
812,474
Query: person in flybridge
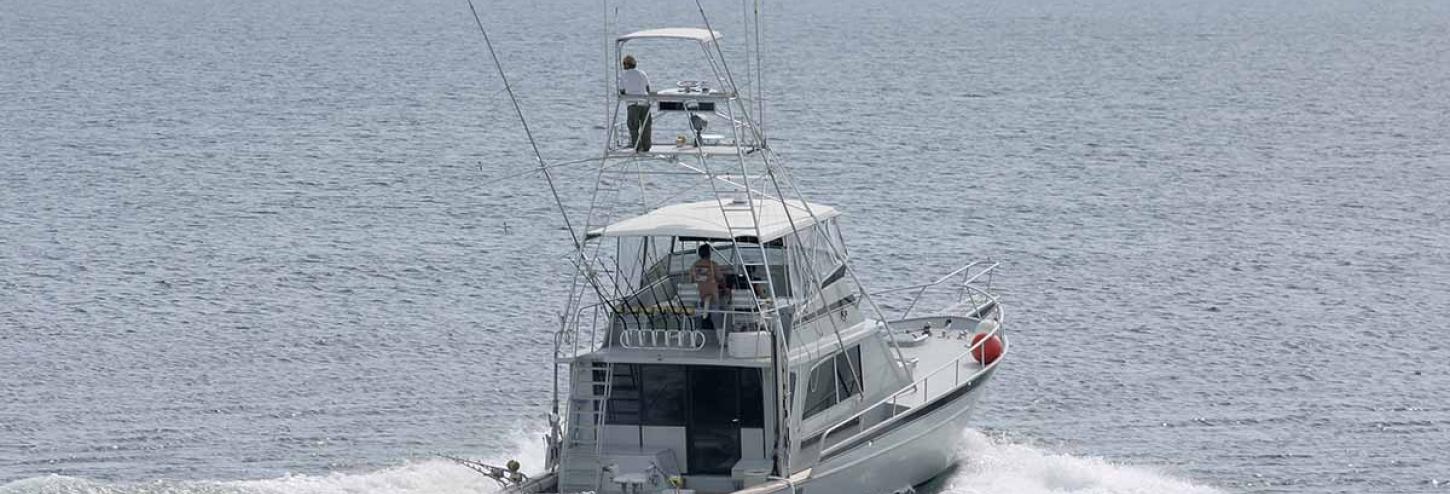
x,y
709,279
634,82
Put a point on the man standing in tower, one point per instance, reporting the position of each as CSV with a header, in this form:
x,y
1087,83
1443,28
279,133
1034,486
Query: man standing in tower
x,y
634,85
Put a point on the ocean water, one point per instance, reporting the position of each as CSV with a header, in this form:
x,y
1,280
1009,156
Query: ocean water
x,y
294,247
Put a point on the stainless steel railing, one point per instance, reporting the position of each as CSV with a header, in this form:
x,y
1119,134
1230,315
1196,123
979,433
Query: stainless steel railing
x,y
649,313
689,340
962,295
921,392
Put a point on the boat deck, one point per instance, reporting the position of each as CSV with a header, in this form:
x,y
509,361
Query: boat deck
x,y
934,360
938,350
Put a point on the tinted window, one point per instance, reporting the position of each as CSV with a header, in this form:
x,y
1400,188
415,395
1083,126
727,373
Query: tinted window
x,y
848,373
834,380
624,406
714,430
821,388
752,401
664,394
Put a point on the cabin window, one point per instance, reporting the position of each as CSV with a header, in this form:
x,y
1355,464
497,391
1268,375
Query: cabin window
x,y
664,395
647,395
658,395
834,380
821,389
624,397
848,373
752,399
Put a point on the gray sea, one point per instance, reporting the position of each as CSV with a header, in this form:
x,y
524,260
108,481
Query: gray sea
x,y
295,247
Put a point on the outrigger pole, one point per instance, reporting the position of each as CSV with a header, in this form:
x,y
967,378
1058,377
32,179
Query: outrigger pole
x,y
554,437
538,156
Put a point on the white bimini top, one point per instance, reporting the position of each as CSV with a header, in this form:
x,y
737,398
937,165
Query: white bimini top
x,y
686,33
707,219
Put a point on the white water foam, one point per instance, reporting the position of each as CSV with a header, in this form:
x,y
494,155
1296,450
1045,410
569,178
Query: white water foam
x,y
994,465
990,465
432,476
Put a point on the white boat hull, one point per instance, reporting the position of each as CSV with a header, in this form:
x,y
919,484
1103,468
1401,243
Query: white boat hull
x,y
910,455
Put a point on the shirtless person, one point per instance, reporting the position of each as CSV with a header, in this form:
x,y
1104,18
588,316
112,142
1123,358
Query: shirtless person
x,y
709,277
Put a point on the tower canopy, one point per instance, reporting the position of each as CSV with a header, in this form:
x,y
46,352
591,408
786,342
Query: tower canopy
x,y
690,33
708,220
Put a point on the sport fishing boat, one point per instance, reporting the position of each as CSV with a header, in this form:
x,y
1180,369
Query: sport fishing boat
x,y
716,338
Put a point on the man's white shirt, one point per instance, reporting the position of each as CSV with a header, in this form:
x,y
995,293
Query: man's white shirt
x,y
634,82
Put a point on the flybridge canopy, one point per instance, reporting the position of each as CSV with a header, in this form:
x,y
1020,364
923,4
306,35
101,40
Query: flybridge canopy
x,y
704,219
690,33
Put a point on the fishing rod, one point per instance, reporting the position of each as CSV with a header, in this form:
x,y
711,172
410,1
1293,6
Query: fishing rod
x,y
553,437
519,110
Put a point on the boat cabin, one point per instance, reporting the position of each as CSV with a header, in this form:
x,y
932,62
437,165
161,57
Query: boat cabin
x,y
677,372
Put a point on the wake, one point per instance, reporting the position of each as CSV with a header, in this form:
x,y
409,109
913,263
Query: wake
x,y
989,466
997,466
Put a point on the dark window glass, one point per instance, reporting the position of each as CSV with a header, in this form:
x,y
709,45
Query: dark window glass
x,y
624,395
821,388
713,449
714,430
664,395
752,400
714,394
848,373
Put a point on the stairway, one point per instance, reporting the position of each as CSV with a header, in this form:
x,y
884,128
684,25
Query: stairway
x,y
590,385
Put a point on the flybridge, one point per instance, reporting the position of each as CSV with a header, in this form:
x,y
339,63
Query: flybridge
x,y
705,115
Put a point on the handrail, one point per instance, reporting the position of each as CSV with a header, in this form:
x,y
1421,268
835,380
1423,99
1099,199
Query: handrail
x,y
665,303
938,281
614,306
690,340
921,384
967,279
713,95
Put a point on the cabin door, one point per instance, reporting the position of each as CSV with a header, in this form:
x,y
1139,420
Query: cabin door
x,y
713,431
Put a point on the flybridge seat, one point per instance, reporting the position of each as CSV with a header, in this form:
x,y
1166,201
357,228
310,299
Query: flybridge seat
x,y
707,220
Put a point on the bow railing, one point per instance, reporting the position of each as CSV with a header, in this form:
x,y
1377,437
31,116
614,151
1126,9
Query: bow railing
x,y
957,284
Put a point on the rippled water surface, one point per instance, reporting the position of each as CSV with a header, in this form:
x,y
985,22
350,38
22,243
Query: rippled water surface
x,y
269,246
